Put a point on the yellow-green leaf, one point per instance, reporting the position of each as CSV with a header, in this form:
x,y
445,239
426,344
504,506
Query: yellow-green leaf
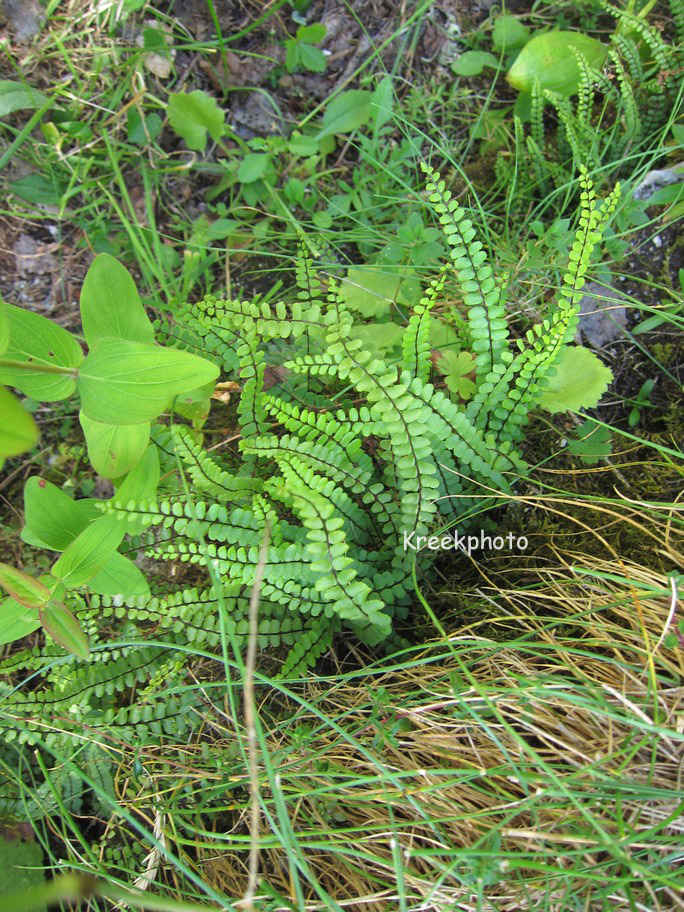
x,y
64,629
549,59
123,382
29,592
16,621
119,576
113,449
4,327
579,381
110,304
18,430
89,553
53,519
35,340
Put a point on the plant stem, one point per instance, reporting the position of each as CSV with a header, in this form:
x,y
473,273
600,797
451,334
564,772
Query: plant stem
x,y
41,368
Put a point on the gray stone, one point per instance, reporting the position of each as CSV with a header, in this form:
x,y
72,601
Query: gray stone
x,y
25,17
603,315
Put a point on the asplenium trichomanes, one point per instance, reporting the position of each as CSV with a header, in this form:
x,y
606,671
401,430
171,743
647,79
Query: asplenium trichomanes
x,y
343,457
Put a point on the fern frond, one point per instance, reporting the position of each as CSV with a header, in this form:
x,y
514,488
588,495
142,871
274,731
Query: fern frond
x,y
308,649
486,318
251,411
327,549
206,474
416,340
537,115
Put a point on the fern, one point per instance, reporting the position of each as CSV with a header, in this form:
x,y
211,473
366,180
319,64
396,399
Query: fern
x,y
371,458
481,295
613,115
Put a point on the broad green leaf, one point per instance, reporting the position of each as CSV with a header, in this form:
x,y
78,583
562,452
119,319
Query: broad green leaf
x,y
18,431
64,629
380,339
113,449
312,34
15,96
443,336
471,63
22,868
141,482
252,167
312,58
303,146
579,382
29,592
36,339
124,382
371,290
139,485
142,130
16,621
195,404
36,188
110,304
119,576
291,55
382,101
508,32
89,553
194,114
549,58
53,519
347,112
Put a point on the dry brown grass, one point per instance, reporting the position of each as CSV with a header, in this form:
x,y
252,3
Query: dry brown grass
x,y
566,742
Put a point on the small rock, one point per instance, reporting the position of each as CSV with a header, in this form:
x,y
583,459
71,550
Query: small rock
x,y
256,114
32,257
656,180
603,315
157,64
25,16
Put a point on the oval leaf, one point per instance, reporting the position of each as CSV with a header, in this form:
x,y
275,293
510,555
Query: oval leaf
x,y
113,449
29,592
16,621
111,305
508,32
471,63
123,382
89,553
549,58
196,403
119,576
37,340
347,112
141,482
19,431
15,96
579,382
64,629
53,519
